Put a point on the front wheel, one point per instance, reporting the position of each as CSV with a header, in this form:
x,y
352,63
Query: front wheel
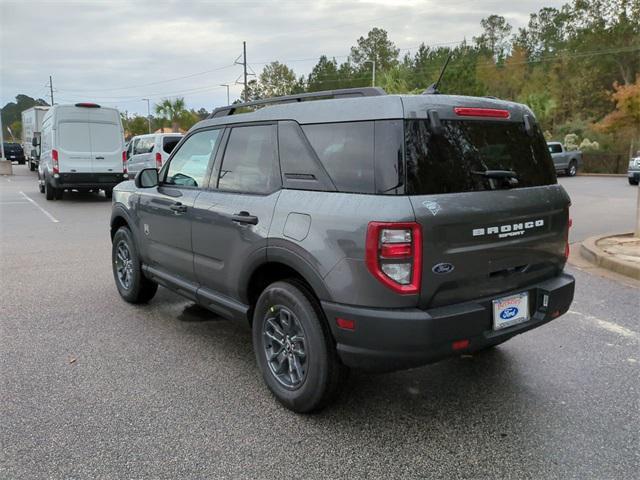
x,y
132,285
294,349
573,169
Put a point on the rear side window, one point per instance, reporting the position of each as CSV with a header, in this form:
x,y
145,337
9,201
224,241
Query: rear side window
x,y
169,143
555,148
346,151
143,145
105,137
249,160
74,136
455,160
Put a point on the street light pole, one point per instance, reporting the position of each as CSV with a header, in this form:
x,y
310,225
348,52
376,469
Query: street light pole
x,y
226,85
148,113
373,71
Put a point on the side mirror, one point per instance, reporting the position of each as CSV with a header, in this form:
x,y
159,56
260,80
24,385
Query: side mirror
x,y
35,142
147,178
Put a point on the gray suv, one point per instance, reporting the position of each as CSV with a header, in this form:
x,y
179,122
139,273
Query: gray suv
x,y
353,229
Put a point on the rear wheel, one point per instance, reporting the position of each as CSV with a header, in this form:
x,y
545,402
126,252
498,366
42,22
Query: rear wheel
x,y
132,285
58,193
632,181
572,169
294,349
49,191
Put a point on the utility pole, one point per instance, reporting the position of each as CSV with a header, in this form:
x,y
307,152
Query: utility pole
x,y
226,85
373,71
244,63
51,89
148,113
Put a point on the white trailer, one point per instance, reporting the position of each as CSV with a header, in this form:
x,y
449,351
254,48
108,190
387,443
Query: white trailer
x,y
32,127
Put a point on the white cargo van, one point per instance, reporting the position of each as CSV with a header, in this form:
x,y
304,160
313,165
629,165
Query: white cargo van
x,y
82,148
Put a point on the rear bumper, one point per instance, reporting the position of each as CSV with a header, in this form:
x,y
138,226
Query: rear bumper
x,y
394,339
87,180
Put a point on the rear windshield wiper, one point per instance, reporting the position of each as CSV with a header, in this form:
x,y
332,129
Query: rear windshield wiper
x,y
497,174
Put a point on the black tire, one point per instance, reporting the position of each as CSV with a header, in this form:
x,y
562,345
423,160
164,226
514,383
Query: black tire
x,y
108,193
41,187
32,166
59,192
633,182
322,372
21,162
139,289
572,170
49,191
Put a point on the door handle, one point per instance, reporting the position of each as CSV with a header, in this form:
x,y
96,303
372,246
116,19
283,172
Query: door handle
x,y
99,158
178,207
245,217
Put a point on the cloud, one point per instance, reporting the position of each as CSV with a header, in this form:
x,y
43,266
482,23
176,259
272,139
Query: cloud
x,y
117,52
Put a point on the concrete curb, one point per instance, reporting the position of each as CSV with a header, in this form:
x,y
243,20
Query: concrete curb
x,y
594,254
581,174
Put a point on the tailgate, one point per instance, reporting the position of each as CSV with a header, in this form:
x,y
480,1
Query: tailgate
x,y
479,244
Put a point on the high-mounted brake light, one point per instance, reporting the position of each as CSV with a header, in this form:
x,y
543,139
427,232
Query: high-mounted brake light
x,y
125,166
158,160
87,105
394,255
481,112
54,161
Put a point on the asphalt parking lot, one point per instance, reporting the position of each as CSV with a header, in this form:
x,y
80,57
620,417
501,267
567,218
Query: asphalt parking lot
x,y
93,387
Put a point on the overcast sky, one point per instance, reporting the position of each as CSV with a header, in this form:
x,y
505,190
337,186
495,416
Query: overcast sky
x,y
116,52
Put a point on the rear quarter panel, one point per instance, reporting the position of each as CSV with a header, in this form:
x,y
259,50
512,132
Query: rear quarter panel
x,y
333,244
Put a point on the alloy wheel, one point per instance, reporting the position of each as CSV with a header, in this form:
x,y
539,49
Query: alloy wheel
x,y
285,346
124,265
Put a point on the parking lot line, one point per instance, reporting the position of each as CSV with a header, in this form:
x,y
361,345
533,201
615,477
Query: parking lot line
x,y
51,217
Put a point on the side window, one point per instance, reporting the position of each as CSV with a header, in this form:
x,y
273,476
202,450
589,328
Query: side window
x,y
250,160
555,148
189,165
301,169
169,143
347,152
134,148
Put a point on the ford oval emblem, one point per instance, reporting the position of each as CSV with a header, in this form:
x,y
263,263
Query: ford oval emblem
x,y
508,313
442,268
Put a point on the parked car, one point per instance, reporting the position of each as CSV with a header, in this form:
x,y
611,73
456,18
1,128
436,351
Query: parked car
x,y
360,230
14,152
32,128
565,161
82,149
634,169
152,150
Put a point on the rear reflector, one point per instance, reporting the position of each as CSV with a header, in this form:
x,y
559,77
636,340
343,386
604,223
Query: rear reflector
x,y
460,344
481,112
87,105
346,324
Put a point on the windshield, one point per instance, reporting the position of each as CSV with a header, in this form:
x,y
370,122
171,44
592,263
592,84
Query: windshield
x,y
472,156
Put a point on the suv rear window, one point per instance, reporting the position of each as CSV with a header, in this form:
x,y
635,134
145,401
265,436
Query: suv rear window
x,y
454,160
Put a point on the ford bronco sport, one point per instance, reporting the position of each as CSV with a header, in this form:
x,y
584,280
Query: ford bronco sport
x,y
353,229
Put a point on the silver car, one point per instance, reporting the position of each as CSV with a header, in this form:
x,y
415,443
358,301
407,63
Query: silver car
x,y
152,150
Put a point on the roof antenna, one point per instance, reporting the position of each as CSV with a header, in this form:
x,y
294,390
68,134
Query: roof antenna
x,y
433,88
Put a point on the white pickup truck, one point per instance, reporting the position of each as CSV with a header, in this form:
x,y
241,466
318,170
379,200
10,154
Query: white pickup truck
x,y
565,161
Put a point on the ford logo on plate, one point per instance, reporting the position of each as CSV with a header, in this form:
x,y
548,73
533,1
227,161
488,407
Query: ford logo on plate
x,y
508,313
442,268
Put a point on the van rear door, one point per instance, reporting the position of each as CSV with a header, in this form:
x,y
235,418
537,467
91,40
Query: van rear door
x,y
107,140
492,215
73,142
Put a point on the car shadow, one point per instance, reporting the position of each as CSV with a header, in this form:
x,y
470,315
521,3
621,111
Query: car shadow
x,y
85,197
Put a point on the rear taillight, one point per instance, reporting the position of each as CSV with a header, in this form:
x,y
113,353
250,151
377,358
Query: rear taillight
x,y
394,255
54,161
567,250
125,166
481,112
158,160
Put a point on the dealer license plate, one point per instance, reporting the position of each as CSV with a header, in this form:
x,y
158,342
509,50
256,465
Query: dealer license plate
x,y
511,310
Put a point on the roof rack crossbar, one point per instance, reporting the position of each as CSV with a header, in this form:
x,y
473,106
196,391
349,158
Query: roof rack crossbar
x,y
340,93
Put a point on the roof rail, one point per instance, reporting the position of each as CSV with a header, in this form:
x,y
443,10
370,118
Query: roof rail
x,y
326,94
